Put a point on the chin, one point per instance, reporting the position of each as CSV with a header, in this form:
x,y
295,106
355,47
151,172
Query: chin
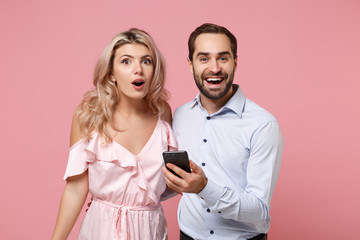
x,y
139,96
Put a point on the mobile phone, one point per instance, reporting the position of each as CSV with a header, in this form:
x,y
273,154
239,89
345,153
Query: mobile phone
x,y
178,158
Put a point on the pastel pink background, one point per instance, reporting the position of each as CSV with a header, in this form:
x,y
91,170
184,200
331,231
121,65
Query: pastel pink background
x,y
298,59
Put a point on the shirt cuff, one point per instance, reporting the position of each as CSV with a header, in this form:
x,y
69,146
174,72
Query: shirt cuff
x,y
211,192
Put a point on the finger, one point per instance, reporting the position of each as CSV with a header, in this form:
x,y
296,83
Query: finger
x,y
192,164
195,168
172,185
169,177
172,181
183,174
166,173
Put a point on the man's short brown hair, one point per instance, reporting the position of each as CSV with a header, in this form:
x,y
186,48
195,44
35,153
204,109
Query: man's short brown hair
x,y
211,28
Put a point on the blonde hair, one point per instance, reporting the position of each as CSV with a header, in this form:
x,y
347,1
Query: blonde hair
x,y
99,104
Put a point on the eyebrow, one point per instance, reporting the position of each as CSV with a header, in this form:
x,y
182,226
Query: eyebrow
x,y
130,56
146,56
206,53
126,55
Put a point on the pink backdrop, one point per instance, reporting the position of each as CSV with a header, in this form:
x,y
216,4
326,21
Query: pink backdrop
x,y
298,59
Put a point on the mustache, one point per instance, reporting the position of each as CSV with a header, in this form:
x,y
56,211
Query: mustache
x,y
211,74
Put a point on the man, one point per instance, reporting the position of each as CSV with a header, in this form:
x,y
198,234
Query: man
x,y
234,145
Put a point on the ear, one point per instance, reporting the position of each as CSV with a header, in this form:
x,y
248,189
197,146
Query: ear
x,y
112,78
235,62
190,65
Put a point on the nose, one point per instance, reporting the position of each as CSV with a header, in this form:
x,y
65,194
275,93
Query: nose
x,y
138,69
214,66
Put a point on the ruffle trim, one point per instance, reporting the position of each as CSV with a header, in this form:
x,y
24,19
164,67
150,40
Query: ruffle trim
x,y
171,139
96,149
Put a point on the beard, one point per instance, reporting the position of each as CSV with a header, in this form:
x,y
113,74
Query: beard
x,y
209,93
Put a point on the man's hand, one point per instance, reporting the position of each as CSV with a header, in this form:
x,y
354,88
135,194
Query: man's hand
x,y
193,182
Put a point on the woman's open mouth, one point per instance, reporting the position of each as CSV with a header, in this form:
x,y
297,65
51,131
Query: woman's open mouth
x,y
138,84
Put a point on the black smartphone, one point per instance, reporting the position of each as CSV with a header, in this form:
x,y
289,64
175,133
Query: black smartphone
x,y
178,158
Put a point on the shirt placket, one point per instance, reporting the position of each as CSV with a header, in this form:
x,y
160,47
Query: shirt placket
x,y
206,143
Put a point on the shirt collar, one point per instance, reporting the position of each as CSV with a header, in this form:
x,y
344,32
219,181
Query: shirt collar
x,y
196,101
236,103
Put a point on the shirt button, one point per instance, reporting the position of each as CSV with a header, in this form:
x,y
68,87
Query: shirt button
x,y
208,118
205,140
203,164
219,211
208,210
211,232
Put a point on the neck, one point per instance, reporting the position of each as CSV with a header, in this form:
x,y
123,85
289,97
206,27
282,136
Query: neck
x,y
214,105
131,107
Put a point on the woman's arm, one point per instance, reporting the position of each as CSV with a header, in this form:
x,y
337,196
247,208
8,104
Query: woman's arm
x,y
74,195
72,201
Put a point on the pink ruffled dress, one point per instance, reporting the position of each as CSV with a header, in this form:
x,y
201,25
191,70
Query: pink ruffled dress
x,y
126,189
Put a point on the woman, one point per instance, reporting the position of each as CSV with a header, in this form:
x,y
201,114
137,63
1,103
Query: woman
x,y
118,134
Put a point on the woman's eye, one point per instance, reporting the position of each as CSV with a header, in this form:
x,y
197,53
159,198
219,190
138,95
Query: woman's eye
x,y
125,61
147,61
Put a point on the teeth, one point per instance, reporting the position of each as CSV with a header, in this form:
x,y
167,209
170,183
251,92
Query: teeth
x,y
213,79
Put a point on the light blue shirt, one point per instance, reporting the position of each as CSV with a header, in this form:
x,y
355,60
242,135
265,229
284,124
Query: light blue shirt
x,y
239,148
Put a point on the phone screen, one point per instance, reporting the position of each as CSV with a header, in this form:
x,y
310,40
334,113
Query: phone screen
x,y
178,158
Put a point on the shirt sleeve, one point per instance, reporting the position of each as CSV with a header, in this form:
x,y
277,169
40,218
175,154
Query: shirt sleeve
x,y
251,205
78,160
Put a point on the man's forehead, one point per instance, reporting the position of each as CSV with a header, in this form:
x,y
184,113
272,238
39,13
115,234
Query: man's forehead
x,y
212,43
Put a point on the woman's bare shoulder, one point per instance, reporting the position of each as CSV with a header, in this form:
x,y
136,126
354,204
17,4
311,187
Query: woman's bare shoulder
x,y
75,134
